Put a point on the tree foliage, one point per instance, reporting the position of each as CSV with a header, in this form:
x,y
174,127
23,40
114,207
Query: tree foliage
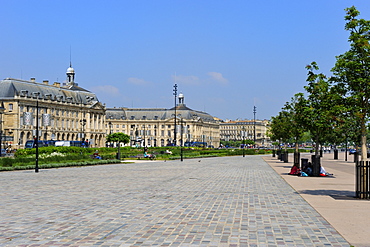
x,y
118,138
352,73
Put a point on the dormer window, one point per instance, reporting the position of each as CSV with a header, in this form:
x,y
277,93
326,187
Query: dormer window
x,y
35,95
132,117
23,93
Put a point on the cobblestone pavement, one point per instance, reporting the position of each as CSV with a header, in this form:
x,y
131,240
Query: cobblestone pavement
x,y
228,201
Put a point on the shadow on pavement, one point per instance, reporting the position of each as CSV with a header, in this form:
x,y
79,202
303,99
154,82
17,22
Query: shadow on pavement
x,y
335,194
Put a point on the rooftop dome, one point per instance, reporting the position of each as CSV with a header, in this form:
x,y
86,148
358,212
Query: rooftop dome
x,y
70,70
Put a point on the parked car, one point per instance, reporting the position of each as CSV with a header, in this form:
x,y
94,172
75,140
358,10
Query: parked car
x,y
352,151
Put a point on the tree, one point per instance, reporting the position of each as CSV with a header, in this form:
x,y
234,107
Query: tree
x,y
286,125
318,110
118,138
352,72
279,127
294,110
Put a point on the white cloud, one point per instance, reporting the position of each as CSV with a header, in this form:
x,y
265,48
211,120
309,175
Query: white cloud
x,y
216,76
137,81
187,80
107,90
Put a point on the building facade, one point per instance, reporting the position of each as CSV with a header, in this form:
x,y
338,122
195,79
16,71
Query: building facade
x,y
69,112
63,112
255,130
156,127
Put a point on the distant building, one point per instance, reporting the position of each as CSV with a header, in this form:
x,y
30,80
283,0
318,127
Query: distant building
x,y
155,127
247,129
65,112
69,112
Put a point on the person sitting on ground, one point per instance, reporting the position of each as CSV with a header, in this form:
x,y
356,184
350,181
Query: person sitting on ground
x,y
308,169
295,171
168,152
96,155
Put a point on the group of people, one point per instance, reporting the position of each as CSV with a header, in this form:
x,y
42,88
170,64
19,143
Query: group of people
x,y
307,170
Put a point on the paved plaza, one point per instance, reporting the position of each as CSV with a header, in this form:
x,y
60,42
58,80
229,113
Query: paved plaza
x,y
228,201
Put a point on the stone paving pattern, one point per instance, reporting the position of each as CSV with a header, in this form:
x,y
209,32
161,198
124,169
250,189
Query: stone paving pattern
x,y
228,201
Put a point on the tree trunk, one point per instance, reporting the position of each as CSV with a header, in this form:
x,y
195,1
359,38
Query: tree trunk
x,y
363,143
317,145
296,154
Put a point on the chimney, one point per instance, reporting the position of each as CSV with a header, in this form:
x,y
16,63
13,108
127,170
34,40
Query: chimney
x,y
56,84
33,79
46,82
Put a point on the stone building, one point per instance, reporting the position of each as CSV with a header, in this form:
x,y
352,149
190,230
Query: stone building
x,y
247,129
70,112
155,127
63,112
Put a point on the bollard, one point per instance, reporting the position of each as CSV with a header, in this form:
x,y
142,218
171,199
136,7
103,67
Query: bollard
x,y
316,166
335,154
286,157
296,158
304,163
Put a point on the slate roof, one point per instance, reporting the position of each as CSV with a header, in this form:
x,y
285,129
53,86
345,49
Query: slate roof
x,y
157,113
9,88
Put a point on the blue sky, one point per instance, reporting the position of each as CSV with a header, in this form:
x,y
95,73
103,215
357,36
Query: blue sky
x,y
225,56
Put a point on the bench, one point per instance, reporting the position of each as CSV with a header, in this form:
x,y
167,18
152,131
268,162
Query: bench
x,y
150,156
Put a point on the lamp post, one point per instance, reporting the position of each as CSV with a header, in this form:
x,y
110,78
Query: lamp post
x,y
2,109
37,134
254,124
155,135
144,136
110,131
175,94
243,133
83,123
181,138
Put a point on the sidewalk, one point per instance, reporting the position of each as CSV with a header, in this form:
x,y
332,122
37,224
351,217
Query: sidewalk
x,y
332,197
211,202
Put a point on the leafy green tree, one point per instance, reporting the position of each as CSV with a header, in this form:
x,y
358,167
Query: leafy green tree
x,y
352,72
294,111
318,108
118,138
279,127
286,126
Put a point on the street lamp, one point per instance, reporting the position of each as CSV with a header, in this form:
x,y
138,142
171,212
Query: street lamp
x,y
110,132
37,134
243,133
155,135
254,123
2,109
83,123
181,138
144,136
175,94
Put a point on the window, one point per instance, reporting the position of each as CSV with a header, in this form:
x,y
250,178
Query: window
x,y
10,107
